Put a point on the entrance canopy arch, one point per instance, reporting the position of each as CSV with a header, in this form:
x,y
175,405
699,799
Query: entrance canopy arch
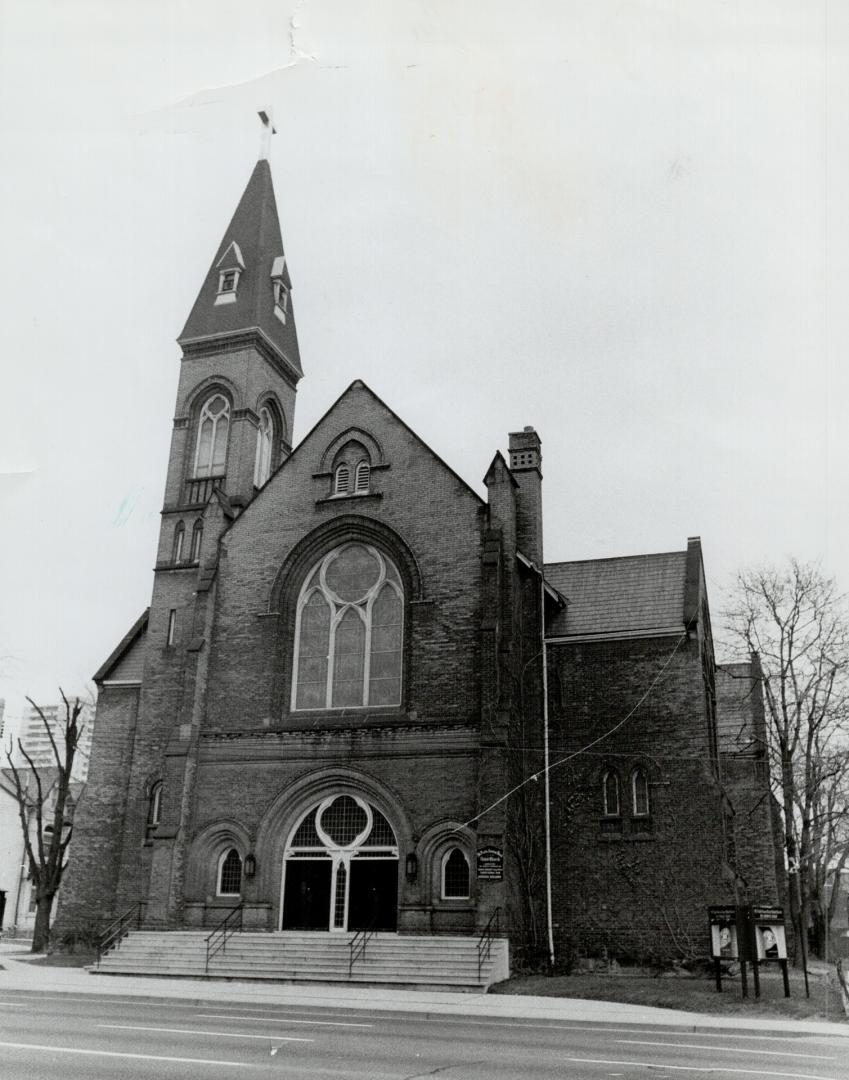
x,y
340,868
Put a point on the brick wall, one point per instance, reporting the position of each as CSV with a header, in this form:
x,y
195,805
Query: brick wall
x,y
636,887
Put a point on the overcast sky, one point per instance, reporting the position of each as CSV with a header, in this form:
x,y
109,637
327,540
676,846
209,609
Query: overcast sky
x,y
624,222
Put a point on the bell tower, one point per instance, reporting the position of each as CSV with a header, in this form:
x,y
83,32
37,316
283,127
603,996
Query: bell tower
x,y
239,370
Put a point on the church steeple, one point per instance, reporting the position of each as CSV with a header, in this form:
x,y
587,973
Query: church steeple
x,y
247,289
239,373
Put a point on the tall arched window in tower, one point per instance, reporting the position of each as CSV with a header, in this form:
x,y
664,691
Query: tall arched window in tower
x,y
211,449
349,631
197,540
610,794
154,807
264,447
179,538
640,793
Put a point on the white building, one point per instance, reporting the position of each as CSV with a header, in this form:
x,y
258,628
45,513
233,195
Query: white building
x,y
36,741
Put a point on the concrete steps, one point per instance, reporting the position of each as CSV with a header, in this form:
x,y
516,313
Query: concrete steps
x,y
390,959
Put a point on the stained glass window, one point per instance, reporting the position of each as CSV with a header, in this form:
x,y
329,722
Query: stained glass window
x,y
349,632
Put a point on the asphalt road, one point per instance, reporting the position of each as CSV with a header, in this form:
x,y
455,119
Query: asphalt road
x,y
58,1037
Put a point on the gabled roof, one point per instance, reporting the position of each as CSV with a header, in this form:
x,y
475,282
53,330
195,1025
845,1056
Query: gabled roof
x,y
254,233
357,384
622,597
132,638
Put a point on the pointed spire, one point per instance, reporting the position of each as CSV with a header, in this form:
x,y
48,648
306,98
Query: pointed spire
x,y
247,288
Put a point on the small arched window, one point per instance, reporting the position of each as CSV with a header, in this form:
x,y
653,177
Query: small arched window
x,y
640,806
229,874
179,540
455,875
264,447
154,807
610,793
197,537
362,477
349,632
342,480
213,426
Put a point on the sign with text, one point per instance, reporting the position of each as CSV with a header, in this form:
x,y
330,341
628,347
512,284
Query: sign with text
x,y
723,932
490,864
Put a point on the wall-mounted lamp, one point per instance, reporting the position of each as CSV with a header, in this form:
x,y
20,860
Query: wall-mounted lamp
x,y
412,866
250,865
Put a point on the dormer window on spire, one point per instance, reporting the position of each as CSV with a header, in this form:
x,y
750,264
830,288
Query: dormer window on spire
x,y
281,289
230,266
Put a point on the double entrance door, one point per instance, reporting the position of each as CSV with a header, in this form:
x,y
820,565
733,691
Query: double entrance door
x,y
340,869
318,896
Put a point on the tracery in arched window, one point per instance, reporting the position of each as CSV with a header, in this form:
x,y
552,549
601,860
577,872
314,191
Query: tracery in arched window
x,y
211,448
348,632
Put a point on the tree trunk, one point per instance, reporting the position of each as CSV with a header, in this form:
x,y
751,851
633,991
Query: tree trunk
x,y
794,888
41,931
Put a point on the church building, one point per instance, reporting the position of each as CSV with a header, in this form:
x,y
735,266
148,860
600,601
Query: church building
x,y
361,699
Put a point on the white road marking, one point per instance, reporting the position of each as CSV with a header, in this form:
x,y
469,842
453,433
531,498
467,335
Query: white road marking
x,y
280,1020
697,1068
13,1004
727,1049
204,1031
118,1054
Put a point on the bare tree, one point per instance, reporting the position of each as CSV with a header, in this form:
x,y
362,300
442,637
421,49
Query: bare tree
x,y
796,621
43,808
829,837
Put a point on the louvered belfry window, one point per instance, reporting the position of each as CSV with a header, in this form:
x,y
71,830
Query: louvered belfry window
x,y
349,632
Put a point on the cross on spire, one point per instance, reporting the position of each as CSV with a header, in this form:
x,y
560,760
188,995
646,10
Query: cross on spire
x,y
268,129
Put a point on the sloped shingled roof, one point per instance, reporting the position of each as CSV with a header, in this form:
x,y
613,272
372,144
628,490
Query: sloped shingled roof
x,y
629,595
256,229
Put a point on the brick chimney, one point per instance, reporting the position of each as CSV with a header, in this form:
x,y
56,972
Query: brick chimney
x,y
526,468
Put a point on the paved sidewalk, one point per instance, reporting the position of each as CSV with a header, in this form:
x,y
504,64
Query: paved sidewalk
x,y
20,974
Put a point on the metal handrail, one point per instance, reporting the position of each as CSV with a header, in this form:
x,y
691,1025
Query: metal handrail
x,y
485,939
358,942
118,929
217,940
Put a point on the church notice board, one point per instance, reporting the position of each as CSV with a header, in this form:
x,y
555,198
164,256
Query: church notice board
x,y
723,932
770,937
490,864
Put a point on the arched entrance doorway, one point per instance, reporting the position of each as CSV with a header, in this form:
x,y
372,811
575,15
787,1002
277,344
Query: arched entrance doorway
x,y
340,869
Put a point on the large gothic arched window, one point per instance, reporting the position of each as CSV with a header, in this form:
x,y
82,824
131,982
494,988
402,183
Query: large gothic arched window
x,y
349,632
213,424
